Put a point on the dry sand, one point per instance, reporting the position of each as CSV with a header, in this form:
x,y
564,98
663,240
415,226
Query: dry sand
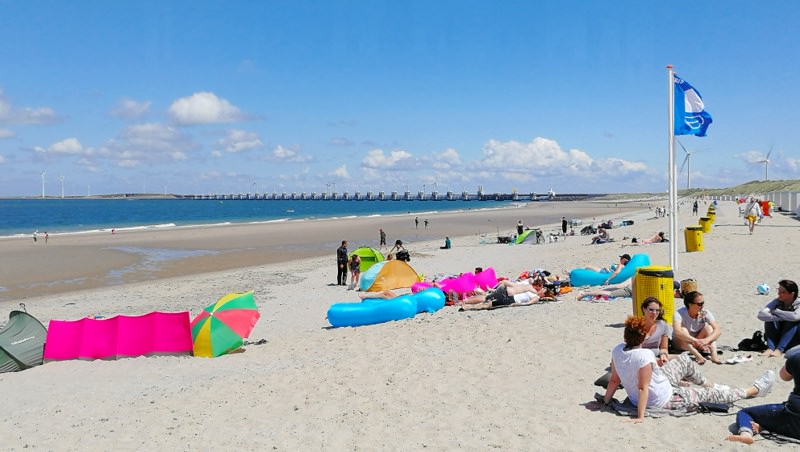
x,y
513,379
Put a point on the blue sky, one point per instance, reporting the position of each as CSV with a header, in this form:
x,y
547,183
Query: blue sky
x,y
244,96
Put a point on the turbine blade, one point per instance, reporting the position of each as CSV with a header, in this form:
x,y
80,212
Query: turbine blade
x,y
685,159
682,146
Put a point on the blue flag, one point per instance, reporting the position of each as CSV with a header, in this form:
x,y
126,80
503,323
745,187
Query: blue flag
x,y
691,118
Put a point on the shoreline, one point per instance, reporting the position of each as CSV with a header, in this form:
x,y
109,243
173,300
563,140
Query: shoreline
x,y
94,260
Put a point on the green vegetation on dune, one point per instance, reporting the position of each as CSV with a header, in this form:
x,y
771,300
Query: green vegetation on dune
x,y
749,188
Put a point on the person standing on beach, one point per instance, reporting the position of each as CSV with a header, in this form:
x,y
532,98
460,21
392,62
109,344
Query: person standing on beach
x,y
46,236
35,236
695,206
426,223
341,263
416,222
564,226
520,227
383,238
751,214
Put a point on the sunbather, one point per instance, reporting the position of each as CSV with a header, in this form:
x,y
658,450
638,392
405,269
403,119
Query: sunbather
x,y
504,294
622,289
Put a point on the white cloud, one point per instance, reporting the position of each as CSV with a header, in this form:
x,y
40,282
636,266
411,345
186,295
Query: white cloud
x,y
2,159
446,160
6,133
288,155
395,160
238,141
204,108
131,109
67,146
341,172
150,143
25,115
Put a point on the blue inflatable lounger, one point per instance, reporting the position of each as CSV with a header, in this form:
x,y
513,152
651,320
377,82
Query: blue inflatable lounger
x,y
378,310
585,277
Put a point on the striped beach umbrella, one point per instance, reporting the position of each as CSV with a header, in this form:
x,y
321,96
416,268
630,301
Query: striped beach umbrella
x,y
222,327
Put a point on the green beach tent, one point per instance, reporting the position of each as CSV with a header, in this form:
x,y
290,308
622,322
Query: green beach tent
x,y
369,257
21,342
527,235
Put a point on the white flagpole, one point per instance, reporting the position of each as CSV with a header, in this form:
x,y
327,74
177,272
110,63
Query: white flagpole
x,y
673,176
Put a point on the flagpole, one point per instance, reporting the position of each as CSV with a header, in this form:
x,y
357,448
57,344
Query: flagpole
x,y
673,184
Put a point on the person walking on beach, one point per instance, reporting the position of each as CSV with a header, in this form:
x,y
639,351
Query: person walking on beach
x,y
383,239
751,214
341,263
695,206
46,236
35,236
426,223
564,226
416,222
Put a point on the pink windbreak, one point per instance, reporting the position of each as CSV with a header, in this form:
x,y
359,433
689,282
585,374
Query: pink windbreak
x,y
156,333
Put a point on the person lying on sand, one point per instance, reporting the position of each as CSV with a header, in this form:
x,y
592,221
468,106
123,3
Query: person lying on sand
x,y
622,289
658,238
503,295
386,294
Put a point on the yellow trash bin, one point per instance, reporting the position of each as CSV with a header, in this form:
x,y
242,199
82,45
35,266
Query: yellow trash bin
x,y
705,223
694,238
712,217
656,282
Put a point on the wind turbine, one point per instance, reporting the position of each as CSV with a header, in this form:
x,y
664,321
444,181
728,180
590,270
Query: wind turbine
x,y
687,163
766,164
61,178
43,173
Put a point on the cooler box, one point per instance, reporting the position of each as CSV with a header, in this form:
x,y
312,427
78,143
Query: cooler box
x,y
705,224
694,238
655,282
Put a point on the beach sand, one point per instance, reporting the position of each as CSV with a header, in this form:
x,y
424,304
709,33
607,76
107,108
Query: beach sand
x,y
512,379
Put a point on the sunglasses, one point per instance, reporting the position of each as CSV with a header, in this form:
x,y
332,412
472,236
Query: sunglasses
x,y
700,304
654,309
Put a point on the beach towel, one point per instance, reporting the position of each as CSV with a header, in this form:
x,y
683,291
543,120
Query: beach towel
x,y
627,408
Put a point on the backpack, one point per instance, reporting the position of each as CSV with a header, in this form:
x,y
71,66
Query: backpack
x,y
754,344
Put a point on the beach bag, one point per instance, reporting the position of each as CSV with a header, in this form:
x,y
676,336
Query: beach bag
x,y
754,344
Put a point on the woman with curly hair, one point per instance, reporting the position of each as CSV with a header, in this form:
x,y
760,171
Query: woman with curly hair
x,y
648,385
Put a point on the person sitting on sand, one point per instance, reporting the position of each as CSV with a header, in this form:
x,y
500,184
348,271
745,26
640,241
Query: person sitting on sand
x,y
695,329
657,337
621,290
781,318
780,418
658,238
614,269
602,236
648,385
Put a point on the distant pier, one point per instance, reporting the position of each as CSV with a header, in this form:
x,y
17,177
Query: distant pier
x,y
393,196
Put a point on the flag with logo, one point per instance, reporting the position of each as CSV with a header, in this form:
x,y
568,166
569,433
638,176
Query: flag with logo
x,y
691,118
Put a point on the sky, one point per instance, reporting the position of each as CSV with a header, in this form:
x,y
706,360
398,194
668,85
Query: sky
x,y
232,96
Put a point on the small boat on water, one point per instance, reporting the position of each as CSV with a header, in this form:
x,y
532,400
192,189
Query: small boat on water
x,y
289,210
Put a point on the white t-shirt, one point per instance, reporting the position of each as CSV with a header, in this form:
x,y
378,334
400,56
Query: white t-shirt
x,y
524,297
628,363
654,342
694,326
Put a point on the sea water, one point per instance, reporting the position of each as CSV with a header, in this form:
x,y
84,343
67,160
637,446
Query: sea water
x,y
61,216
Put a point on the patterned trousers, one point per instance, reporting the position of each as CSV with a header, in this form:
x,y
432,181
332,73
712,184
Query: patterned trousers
x,y
683,368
